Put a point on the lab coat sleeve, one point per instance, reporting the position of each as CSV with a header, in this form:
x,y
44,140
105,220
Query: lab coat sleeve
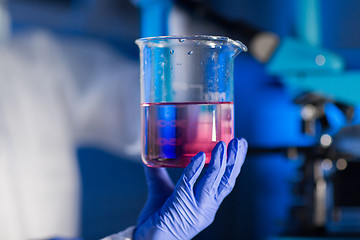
x,y
124,235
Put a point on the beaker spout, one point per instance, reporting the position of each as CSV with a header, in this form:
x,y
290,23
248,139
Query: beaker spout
x,y
238,47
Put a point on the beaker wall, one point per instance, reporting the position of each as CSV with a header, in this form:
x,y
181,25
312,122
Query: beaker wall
x,y
186,97
193,127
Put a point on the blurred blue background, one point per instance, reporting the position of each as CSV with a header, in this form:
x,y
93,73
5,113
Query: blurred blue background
x,y
274,195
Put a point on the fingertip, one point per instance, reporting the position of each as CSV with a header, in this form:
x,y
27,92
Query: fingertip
x,y
198,160
201,158
219,145
243,141
193,169
236,156
233,148
222,144
223,148
217,152
242,150
237,148
233,144
223,160
219,148
199,155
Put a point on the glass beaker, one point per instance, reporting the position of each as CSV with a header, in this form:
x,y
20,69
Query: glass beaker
x,y
186,96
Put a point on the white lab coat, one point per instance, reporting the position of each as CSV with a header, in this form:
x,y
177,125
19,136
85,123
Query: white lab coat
x,y
53,95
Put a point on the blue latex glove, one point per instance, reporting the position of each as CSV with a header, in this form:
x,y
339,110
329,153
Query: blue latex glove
x,y
191,207
160,187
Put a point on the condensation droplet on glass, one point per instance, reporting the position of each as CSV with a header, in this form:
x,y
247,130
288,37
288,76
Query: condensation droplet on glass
x,y
190,52
197,43
161,64
172,51
181,40
171,67
212,45
179,63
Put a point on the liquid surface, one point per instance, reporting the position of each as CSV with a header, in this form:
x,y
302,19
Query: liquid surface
x,y
173,133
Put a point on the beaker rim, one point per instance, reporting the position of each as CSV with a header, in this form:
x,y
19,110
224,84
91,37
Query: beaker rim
x,y
236,43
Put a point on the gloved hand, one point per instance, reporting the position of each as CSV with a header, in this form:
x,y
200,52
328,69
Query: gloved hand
x,y
160,187
191,207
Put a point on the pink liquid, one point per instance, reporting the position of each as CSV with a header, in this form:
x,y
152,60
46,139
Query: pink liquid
x,y
172,133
